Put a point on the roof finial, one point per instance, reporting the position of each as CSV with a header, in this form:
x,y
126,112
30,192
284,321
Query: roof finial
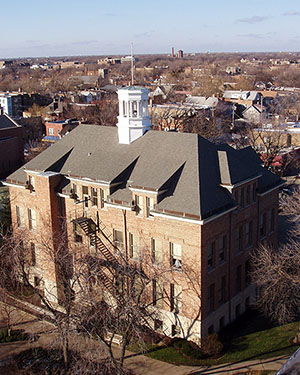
x,y
132,65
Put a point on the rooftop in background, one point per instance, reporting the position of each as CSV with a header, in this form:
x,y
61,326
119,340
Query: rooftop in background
x,y
7,122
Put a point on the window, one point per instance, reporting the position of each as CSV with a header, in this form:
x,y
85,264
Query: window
x,y
85,196
149,206
249,233
222,249
139,205
134,109
223,290
118,239
175,330
247,303
239,239
211,298
124,108
157,251
77,233
175,298
36,281
236,196
32,255
50,131
211,329
238,279
254,192
101,194
248,195
31,219
158,325
272,220
222,323
175,250
157,291
20,216
94,197
74,191
211,256
263,225
247,272
242,201
134,246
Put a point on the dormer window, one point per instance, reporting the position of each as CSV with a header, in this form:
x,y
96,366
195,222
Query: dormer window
x,y
85,196
139,205
31,184
175,250
149,206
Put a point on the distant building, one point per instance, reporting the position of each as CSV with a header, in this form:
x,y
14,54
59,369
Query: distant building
x,y
180,54
173,52
11,145
55,130
11,104
127,59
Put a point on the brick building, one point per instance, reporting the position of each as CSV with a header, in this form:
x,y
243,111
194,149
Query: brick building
x,y
55,130
188,203
11,145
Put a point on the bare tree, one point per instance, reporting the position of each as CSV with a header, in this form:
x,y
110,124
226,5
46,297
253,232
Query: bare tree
x,y
18,259
170,117
277,272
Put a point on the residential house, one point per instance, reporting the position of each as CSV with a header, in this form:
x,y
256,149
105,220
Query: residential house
x,y
186,203
55,130
246,98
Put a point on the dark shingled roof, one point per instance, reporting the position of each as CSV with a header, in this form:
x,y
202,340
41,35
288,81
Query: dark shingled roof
x,y
183,167
7,122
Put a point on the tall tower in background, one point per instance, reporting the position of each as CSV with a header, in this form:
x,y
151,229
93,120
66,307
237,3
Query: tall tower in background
x,y
180,54
173,52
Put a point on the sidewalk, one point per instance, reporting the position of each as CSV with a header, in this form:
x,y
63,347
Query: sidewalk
x,y
140,364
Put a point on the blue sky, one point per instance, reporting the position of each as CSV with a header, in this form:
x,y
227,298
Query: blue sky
x,y
104,27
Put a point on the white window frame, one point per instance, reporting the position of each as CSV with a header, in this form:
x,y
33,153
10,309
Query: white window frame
x,y
134,246
31,219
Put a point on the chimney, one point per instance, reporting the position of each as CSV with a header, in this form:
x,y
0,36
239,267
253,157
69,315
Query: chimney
x,y
224,168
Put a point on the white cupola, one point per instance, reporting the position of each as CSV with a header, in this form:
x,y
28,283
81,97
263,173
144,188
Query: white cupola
x,y
133,119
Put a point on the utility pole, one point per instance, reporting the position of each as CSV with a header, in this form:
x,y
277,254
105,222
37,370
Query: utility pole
x,y
261,109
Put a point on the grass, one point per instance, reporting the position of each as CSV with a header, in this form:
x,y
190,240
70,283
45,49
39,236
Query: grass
x,y
15,335
248,339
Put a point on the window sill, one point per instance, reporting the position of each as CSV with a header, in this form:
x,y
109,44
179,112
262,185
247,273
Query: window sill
x,y
210,270
176,269
222,263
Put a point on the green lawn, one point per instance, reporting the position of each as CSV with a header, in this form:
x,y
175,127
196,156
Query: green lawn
x,y
264,343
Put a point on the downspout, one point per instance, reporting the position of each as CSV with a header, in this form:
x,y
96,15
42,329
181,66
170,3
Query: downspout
x,y
229,266
125,234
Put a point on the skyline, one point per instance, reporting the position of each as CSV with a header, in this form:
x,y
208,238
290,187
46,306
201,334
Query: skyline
x,y
103,27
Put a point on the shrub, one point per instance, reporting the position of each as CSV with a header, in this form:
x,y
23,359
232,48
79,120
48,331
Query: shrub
x,y
3,333
211,345
188,349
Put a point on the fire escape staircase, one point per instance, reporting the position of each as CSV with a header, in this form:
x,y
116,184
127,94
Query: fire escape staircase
x,y
89,227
